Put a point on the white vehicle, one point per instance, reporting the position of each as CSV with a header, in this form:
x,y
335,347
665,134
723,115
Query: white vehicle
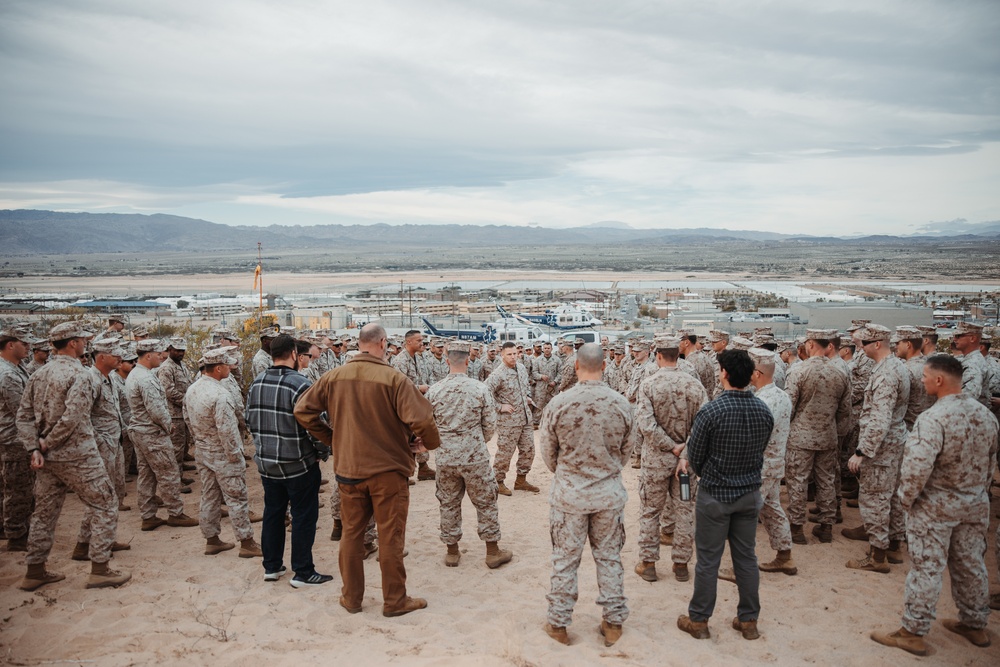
x,y
590,335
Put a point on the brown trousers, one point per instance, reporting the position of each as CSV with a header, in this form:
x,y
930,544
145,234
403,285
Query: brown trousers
x,y
386,497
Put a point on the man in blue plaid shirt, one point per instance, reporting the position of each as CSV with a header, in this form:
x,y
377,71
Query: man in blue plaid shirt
x,y
287,458
726,451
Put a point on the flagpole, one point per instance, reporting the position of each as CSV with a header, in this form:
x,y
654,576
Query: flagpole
x,y
260,276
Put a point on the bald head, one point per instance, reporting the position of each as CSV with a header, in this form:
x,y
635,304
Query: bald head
x,y
589,361
371,339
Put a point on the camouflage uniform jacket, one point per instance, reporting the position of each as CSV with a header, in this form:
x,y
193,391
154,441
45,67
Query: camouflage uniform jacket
x,y
32,367
13,380
175,379
260,362
106,415
704,368
682,364
147,402
666,403
919,400
118,382
861,369
567,373
56,406
510,385
475,369
949,459
976,377
640,373
413,367
821,404
611,373
210,414
437,369
466,418
780,405
584,439
546,366
883,431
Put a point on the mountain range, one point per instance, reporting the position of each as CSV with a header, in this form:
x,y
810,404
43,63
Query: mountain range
x,y
33,232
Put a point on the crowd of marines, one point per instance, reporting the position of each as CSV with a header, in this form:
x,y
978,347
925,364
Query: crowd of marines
x,y
856,422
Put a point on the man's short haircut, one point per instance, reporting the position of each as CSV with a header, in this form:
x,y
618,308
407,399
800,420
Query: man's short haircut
x,y
835,341
61,344
508,344
915,343
209,368
371,333
6,339
765,367
774,346
985,343
738,365
945,363
693,339
411,333
458,357
590,356
669,353
282,346
932,338
822,342
302,346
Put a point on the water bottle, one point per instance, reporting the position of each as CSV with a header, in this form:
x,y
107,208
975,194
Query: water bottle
x,y
685,480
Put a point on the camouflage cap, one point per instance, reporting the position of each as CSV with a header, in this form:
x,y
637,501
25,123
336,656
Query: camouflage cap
x,y
847,342
459,346
905,332
129,353
270,332
872,332
437,342
117,317
740,343
760,355
665,341
140,330
926,330
859,323
151,345
619,349
288,331
760,339
968,328
763,330
177,343
41,345
22,333
110,346
684,333
219,355
821,334
68,330
717,336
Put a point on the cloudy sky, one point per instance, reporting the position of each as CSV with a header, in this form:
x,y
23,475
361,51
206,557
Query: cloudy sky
x,y
834,117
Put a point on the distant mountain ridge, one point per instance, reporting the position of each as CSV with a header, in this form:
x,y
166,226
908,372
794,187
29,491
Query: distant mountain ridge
x,y
31,232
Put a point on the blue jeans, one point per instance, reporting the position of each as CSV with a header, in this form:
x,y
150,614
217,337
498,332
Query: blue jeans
x,y
302,493
715,523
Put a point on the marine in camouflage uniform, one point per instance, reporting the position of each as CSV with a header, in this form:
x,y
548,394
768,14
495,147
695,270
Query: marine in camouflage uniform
x,y
880,449
944,487
666,404
118,382
415,366
821,411
976,371
545,372
508,386
436,366
106,417
567,366
16,476
585,441
772,515
149,430
466,419
211,415
176,379
53,424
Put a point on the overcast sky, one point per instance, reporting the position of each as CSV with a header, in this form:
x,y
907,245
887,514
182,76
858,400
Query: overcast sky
x,y
829,117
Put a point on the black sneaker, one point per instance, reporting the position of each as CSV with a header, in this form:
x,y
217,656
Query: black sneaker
x,y
274,576
314,579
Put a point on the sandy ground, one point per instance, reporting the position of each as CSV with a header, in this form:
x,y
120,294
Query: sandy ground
x,y
185,608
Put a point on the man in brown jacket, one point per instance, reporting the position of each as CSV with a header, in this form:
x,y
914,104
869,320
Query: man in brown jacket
x,y
380,419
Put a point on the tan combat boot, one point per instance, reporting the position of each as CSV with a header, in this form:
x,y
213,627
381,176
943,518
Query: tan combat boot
x,y
903,639
250,549
37,576
216,546
452,556
557,633
81,551
823,532
977,636
495,556
859,533
425,472
152,523
894,554
798,537
101,576
874,561
611,632
181,521
681,572
666,539
522,484
502,488
782,563
646,570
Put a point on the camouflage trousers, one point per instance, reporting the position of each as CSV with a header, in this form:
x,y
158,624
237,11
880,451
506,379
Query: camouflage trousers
x,y
657,487
934,544
88,479
510,438
227,484
846,446
824,466
159,474
128,454
569,533
543,394
479,481
878,485
422,457
897,515
773,516
179,437
371,532
18,496
114,461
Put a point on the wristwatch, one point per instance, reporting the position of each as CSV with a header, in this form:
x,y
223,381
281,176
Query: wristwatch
x,y
858,452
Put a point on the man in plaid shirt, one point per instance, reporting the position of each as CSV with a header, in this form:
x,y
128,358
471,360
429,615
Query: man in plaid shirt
x,y
286,457
726,451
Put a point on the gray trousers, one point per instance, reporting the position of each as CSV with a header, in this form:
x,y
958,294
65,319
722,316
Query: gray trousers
x,y
716,523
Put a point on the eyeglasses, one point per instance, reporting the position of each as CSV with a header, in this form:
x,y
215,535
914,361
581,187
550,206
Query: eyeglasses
x,y
866,343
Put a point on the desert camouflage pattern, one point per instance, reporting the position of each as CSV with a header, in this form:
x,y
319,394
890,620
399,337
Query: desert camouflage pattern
x,y
976,377
414,368
705,369
17,480
772,515
514,430
261,362
176,379
919,400
149,430
479,480
466,418
944,485
666,404
548,367
107,420
567,373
